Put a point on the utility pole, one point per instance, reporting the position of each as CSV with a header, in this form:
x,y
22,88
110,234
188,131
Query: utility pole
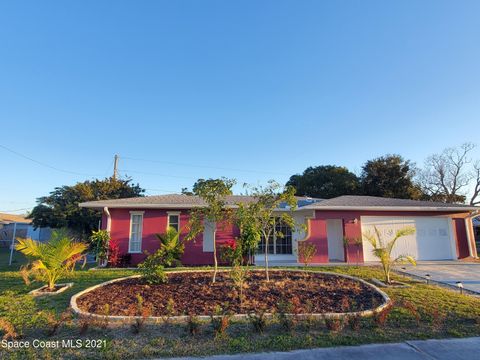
x,y
115,167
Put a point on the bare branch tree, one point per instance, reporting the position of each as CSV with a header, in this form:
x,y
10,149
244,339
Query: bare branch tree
x,y
475,200
447,175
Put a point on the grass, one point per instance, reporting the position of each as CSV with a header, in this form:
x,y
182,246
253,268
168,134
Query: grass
x,y
460,318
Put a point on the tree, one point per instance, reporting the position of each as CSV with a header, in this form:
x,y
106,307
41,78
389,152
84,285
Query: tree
x,y
447,176
325,182
270,204
53,259
213,192
60,208
171,247
382,249
390,176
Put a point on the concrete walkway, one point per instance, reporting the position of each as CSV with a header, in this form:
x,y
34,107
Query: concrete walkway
x,y
447,349
448,273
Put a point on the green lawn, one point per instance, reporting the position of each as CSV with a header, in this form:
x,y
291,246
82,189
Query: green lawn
x,y
461,314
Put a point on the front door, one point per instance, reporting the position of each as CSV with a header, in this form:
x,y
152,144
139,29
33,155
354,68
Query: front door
x,y
335,240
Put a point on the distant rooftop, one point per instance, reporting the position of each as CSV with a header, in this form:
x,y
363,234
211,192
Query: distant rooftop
x,y
12,218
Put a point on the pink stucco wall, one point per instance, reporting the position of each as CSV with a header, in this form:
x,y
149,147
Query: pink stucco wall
x,y
155,221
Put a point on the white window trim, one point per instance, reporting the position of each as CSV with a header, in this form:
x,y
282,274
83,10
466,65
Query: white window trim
x,y
132,213
174,213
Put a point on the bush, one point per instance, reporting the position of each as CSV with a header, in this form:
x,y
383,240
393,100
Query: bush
x,y
231,252
152,269
114,258
171,248
99,244
258,321
220,320
306,252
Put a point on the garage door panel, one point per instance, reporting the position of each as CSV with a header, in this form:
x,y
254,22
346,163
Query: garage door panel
x,y
431,241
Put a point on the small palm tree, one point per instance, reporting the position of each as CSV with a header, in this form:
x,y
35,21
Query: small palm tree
x,y
52,260
171,247
382,249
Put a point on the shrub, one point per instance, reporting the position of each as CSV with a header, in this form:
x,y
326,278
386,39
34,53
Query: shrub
x,y
306,252
354,321
258,321
231,252
99,245
142,314
334,324
283,314
380,317
113,253
54,321
53,259
171,248
220,320
238,275
193,325
152,269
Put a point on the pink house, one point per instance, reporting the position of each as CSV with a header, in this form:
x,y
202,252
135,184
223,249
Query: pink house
x,y
443,231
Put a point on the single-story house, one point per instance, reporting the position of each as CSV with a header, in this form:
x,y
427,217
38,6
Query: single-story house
x,y
443,231
18,226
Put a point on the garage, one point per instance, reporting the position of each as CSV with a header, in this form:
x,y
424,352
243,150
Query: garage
x,y
432,240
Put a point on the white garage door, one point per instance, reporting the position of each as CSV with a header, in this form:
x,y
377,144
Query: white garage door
x,y
432,239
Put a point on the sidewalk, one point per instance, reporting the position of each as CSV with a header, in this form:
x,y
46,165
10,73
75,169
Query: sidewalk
x,y
446,349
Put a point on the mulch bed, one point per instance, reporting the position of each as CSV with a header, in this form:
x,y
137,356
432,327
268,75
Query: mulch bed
x,y
193,293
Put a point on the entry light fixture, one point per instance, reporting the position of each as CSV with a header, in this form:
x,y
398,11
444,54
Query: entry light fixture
x,y
460,286
428,276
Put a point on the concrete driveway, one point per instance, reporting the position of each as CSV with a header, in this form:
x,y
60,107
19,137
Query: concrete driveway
x,y
448,272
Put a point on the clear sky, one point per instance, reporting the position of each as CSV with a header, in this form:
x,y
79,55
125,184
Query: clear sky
x,y
247,89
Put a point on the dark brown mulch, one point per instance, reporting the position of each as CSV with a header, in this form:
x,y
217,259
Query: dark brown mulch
x,y
194,293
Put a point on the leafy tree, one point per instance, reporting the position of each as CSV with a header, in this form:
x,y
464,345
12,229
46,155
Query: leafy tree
x,y
390,176
53,259
60,208
267,200
325,182
213,192
382,249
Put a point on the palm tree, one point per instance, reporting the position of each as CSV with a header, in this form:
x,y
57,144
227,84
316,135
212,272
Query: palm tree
x,y
382,249
171,247
52,260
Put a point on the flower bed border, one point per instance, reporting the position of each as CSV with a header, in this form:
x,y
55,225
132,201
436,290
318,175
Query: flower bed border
x,y
39,292
184,318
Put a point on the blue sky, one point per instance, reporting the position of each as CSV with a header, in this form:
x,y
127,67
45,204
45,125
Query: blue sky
x,y
228,86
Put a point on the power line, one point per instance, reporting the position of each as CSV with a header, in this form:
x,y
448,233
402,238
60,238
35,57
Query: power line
x,y
205,166
44,164
158,174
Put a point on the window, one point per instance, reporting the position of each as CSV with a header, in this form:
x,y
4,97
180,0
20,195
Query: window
x,y
135,240
174,221
278,244
208,236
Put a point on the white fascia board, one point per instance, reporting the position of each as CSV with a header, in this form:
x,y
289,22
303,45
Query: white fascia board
x,y
394,208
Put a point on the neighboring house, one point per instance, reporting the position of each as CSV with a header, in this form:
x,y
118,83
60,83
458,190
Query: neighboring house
x,y
443,231
17,225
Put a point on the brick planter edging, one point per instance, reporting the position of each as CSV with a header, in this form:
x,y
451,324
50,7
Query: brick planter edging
x,y
184,318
